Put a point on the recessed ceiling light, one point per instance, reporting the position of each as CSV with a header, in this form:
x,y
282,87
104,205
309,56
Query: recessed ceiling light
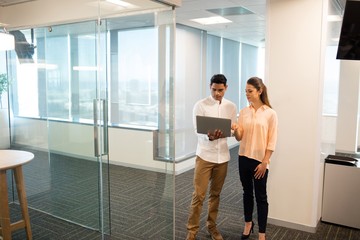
x,y
211,20
121,3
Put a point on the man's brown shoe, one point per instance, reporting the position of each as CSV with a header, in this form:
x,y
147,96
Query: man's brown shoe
x,y
191,236
215,234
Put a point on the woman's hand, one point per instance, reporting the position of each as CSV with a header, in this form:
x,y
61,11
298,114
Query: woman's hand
x,y
260,170
237,131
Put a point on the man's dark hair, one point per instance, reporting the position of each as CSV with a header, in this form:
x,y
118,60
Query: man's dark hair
x,y
218,79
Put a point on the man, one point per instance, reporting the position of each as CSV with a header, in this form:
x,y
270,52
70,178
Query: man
x,y
212,156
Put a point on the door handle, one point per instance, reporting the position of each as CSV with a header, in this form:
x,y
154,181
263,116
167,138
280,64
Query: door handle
x,y
100,121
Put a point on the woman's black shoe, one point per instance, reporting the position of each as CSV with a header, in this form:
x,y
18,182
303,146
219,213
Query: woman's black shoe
x,y
251,231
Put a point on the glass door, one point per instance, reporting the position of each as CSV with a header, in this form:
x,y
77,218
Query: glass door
x,y
60,114
77,123
140,114
93,101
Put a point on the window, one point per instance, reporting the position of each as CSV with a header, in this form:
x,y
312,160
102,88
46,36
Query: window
x,y
134,81
62,81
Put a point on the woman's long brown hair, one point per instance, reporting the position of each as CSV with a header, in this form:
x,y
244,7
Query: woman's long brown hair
x,y
257,83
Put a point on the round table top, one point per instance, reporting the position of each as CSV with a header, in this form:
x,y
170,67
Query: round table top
x,y
13,158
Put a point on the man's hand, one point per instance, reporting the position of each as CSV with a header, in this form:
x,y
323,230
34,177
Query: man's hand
x,y
215,135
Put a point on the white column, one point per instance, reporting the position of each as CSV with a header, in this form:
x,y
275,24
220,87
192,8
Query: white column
x,y
294,63
347,120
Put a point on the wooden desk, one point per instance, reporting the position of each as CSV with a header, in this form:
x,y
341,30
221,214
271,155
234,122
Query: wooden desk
x,y
13,159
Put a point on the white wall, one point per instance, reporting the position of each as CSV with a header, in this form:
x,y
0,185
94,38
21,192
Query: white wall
x,y
134,149
30,132
347,123
329,134
294,46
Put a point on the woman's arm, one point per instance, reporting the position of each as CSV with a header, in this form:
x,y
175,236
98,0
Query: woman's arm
x,y
238,133
261,168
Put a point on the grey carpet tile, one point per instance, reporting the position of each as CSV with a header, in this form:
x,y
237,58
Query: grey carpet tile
x,y
46,227
141,205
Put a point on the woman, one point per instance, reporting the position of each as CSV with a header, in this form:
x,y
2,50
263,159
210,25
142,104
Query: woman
x,y
257,133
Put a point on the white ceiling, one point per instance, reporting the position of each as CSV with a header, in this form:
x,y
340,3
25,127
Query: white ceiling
x,y
248,28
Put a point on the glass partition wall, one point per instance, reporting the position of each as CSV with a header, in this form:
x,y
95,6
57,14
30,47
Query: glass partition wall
x,y
89,99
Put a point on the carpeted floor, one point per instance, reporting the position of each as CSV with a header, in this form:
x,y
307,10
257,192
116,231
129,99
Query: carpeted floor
x,y
141,204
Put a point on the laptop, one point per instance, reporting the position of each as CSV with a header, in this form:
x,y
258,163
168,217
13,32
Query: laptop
x,y
209,124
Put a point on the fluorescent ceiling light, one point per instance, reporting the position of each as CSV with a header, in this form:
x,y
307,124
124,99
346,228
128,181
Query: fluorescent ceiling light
x,y
211,20
7,41
121,3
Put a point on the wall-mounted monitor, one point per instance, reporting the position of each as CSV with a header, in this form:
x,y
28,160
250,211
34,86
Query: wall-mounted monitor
x,y
349,42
